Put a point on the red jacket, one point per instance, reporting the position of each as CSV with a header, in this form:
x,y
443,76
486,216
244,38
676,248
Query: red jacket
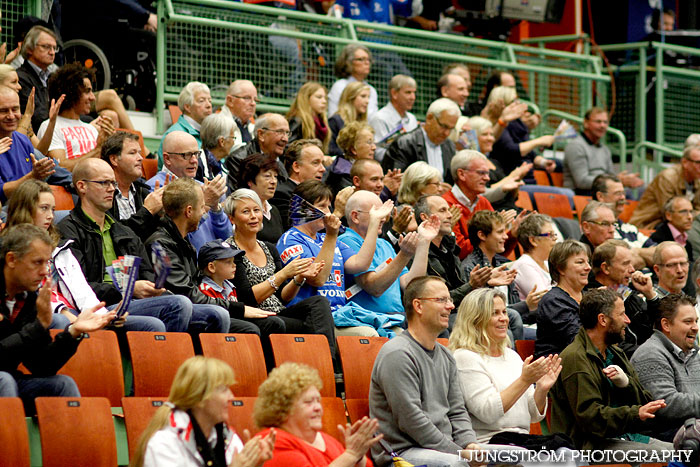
x,y
460,229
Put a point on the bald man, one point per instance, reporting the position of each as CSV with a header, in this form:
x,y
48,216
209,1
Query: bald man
x,y
240,105
379,287
181,159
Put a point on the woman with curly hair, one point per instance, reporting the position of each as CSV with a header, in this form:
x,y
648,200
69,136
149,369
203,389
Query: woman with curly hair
x,y
289,400
351,108
356,140
307,115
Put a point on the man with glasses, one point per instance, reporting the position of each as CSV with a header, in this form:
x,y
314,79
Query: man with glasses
x,y
671,266
98,240
470,170
414,390
271,137
241,101
429,142
598,224
613,268
181,159
586,156
678,219
678,180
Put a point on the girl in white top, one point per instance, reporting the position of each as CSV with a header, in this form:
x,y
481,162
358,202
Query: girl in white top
x,y
497,385
190,429
536,236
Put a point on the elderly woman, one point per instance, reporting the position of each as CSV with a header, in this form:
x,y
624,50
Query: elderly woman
x,y
290,401
218,133
515,146
557,314
263,282
307,115
536,236
353,64
356,140
498,387
419,179
351,108
259,173
191,430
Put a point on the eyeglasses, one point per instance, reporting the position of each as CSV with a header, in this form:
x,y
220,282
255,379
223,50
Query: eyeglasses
x,y
480,173
185,155
443,126
605,224
247,98
104,183
682,264
280,132
362,59
693,161
685,212
552,235
49,47
440,300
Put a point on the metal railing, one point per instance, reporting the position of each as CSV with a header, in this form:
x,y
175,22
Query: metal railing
x,y
12,11
217,41
647,167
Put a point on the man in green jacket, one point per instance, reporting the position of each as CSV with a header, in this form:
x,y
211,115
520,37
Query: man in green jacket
x,y
598,400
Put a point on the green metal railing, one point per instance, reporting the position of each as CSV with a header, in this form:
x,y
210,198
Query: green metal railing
x,y
650,167
12,11
217,41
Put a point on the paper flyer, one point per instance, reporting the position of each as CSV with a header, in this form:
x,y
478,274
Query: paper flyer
x,y
303,212
161,264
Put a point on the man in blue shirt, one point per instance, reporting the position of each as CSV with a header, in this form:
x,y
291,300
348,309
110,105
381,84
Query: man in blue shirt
x,y
17,163
378,288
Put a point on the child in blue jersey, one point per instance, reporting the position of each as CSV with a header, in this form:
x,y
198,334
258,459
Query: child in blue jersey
x,y
307,241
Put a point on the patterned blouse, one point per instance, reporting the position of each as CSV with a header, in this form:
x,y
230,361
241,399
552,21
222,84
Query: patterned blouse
x,y
257,274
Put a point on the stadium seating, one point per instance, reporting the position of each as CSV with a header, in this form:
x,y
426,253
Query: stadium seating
x,y
357,371
155,358
14,437
138,412
554,205
310,349
245,355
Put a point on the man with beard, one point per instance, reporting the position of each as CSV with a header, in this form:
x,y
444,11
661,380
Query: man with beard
x,y
671,266
588,404
668,363
607,188
613,268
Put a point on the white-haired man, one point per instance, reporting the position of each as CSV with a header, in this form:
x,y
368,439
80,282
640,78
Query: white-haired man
x,y
429,142
240,105
194,102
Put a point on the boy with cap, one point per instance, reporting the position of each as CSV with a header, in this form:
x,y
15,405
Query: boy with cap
x,y
216,261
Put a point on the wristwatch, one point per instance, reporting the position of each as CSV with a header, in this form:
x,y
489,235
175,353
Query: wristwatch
x,y
299,284
217,208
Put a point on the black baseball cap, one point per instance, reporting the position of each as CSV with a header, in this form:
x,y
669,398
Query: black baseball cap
x,y
216,249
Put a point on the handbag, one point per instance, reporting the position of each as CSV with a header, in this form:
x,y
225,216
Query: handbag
x,y
533,442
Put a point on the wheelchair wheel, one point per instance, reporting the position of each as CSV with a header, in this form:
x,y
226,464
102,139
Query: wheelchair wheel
x,y
91,56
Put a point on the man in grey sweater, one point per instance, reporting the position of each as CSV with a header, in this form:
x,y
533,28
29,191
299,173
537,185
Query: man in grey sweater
x,y
668,364
414,392
586,156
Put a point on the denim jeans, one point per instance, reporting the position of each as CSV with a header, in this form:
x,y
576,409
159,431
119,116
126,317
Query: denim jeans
x,y
173,311
29,388
209,318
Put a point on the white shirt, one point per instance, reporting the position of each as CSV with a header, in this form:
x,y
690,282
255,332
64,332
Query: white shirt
x,y
73,136
482,379
337,90
530,274
386,122
433,152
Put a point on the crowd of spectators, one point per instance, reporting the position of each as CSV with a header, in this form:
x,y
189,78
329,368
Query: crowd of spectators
x,y
347,216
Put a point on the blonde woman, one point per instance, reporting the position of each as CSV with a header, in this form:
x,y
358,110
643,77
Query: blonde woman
x,y
419,179
352,107
498,387
191,428
307,115
290,401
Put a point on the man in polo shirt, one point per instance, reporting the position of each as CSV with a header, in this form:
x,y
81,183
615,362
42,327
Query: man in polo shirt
x,y
379,287
394,119
98,240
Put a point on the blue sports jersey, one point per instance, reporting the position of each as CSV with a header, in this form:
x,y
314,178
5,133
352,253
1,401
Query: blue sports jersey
x,y
295,244
377,11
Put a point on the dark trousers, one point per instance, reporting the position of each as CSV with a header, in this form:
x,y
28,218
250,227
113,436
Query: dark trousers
x,y
312,316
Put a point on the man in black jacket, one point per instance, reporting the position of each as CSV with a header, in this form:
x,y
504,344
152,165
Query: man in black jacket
x,y
134,204
25,316
183,203
429,142
39,52
98,240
